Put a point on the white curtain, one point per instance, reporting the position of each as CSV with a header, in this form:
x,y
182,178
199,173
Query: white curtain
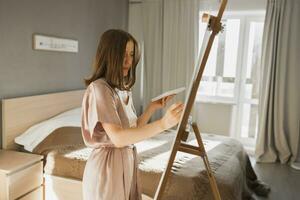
x,y
180,43
279,113
135,22
170,37
152,29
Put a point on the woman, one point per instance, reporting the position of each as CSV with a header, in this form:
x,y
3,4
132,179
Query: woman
x,y
110,125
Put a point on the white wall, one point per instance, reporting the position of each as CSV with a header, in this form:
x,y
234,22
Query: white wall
x,y
214,117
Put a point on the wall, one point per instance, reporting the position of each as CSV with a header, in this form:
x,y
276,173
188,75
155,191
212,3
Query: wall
x,y
24,71
214,117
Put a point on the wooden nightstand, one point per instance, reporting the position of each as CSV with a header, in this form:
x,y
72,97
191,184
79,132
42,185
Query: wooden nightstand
x,y
21,176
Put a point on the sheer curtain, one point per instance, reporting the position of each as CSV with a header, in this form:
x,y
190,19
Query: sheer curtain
x,y
170,38
279,113
180,43
152,29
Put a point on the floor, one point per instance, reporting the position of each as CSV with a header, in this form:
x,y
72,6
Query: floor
x,y
283,180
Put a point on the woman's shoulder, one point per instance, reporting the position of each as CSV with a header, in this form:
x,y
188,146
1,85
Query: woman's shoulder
x,y
100,86
100,83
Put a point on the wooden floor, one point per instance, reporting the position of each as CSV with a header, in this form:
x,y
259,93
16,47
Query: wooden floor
x,y
283,180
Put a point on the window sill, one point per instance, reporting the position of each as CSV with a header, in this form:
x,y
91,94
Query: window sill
x,y
211,101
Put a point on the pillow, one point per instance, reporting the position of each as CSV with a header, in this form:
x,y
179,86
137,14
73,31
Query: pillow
x,y
61,137
38,132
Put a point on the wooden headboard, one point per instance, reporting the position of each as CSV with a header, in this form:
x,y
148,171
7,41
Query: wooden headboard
x,y
18,114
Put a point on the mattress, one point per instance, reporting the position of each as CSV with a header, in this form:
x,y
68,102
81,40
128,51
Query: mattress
x,y
227,159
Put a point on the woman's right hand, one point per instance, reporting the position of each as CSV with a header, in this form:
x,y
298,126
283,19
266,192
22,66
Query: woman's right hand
x,y
172,116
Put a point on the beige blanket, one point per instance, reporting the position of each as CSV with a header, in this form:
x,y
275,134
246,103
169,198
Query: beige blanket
x,y
189,180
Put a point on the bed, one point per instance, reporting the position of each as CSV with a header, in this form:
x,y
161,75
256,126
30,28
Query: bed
x,y
65,154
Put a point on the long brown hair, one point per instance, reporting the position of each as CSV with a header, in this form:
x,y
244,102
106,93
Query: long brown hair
x,y
108,63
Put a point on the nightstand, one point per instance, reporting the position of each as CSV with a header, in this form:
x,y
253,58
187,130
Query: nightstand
x,y
21,176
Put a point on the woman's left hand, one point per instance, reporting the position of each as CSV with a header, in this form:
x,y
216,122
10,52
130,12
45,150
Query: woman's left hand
x,y
161,103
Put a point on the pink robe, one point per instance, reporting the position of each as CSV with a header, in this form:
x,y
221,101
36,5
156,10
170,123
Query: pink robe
x,y
110,173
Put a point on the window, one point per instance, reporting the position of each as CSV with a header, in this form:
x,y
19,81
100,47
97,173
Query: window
x,y
233,68
219,76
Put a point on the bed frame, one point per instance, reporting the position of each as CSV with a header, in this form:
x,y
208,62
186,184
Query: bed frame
x,y
18,114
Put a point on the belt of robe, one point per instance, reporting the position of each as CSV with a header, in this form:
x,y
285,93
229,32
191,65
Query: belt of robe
x,y
135,190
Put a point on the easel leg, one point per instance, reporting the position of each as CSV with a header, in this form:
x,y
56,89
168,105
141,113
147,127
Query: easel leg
x,y
210,175
212,179
200,151
166,174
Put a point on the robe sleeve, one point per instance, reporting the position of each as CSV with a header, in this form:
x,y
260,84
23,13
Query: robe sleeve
x,y
99,106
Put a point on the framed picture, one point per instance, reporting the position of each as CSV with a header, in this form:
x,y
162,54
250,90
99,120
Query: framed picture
x,y
50,43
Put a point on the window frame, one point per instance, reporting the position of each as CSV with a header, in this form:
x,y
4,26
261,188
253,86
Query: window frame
x,y
238,100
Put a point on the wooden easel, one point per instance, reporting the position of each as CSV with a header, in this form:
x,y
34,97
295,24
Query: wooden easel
x,y
215,26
